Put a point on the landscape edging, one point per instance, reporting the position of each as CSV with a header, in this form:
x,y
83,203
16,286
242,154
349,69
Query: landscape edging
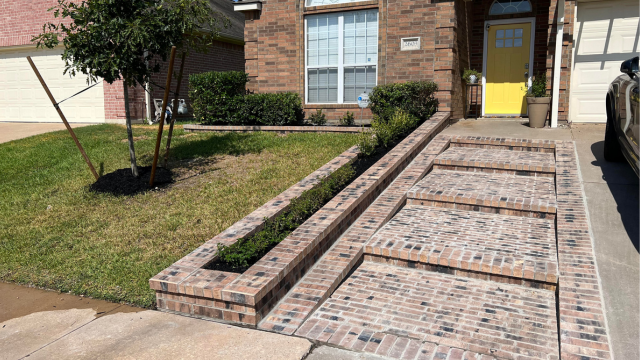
x,y
271,128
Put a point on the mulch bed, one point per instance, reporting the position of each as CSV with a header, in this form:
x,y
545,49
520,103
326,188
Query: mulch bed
x,y
122,182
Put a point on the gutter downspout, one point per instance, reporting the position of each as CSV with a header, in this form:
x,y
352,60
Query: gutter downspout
x,y
557,64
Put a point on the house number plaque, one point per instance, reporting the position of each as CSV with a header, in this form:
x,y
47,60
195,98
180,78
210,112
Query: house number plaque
x,y
412,43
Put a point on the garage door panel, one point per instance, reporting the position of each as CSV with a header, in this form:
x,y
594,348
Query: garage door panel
x,y
23,94
607,34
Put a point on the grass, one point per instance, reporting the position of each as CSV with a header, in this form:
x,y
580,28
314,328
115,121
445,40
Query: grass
x,y
56,234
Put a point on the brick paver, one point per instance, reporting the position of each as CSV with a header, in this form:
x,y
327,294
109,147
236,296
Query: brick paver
x,y
497,161
514,247
494,193
400,312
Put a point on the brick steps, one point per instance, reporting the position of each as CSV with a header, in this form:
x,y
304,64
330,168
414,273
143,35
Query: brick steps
x,y
505,194
508,249
409,314
497,161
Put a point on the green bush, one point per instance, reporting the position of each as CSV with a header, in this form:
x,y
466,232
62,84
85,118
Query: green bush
x,y
538,86
399,124
348,119
217,96
246,251
318,118
367,143
271,109
414,97
221,97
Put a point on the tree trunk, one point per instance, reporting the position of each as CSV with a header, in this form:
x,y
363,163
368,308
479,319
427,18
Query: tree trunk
x,y
132,151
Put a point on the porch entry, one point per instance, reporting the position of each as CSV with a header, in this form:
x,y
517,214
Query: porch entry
x,y
508,69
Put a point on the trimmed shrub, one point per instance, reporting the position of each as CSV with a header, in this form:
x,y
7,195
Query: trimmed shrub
x,y
318,118
399,124
246,251
348,119
271,109
217,96
414,97
367,143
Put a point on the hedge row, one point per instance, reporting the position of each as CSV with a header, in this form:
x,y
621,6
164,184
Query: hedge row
x,y
222,98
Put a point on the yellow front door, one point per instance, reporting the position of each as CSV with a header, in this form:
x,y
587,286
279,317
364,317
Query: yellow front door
x,y
507,62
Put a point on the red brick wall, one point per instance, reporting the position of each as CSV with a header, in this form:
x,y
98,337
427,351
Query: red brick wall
x,y
21,20
275,47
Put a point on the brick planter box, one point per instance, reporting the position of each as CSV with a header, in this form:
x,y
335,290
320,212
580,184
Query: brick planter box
x,y
279,129
187,288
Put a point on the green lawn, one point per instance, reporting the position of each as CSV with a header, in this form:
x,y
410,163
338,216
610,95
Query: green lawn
x,y
108,247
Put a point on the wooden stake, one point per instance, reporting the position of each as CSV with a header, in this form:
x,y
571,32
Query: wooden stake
x,y
64,120
175,109
165,99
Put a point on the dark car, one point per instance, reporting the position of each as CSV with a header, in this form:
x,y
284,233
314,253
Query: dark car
x,y
621,136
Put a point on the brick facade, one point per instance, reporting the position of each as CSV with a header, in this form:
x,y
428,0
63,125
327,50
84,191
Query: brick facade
x,y
451,34
24,19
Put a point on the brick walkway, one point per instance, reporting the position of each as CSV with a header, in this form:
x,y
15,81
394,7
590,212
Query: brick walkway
x,y
474,265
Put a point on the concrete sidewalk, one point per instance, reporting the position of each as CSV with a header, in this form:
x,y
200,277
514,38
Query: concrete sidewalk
x,y
43,324
14,130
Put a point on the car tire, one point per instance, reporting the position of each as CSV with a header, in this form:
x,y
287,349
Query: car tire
x,y
612,151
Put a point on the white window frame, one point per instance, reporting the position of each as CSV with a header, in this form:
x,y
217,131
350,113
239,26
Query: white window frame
x,y
340,64
306,2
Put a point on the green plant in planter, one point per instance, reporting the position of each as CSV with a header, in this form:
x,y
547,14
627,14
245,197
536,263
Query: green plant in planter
x,y
367,142
348,119
538,86
318,118
466,76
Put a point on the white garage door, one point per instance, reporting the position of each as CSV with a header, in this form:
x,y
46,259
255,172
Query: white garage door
x,y
22,98
605,35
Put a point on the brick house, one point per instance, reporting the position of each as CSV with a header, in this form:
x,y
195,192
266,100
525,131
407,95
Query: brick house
x,y
330,51
23,99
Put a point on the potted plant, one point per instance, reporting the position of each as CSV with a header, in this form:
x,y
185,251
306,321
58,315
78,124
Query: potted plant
x,y
538,101
471,76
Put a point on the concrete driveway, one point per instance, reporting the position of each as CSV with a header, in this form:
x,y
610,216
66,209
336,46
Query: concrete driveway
x,y
15,130
612,202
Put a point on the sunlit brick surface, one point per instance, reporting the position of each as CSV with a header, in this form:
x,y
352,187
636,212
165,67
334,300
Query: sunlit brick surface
x,y
492,244
406,313
497,161
494,193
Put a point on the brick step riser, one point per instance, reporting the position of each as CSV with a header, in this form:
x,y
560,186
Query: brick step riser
x,y
490,170
505,147
482,208
499,278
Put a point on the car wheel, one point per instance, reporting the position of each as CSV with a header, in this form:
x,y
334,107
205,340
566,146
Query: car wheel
x,y
612,150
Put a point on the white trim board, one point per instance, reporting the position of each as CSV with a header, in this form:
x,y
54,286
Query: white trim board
x,y
531,20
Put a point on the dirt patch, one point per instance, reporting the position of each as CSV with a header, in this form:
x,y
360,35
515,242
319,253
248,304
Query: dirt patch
x,y
122,182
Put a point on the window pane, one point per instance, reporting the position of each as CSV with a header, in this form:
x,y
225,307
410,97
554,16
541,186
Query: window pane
x,y
518,32
323,40
322,85
517,42
509,33
500,34
509,7
508,43
358,80
360,37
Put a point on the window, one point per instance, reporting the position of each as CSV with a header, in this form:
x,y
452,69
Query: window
x,y
501,7
342,56
328,2
509,38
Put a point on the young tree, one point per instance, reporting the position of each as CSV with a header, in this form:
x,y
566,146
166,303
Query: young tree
x,y
128,39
